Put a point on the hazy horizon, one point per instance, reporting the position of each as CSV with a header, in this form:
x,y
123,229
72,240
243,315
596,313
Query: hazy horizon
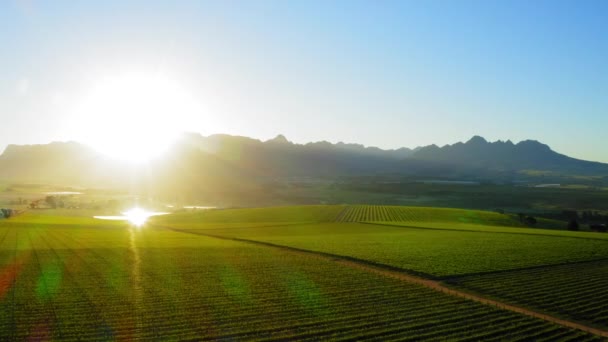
x,y
385,74
2,149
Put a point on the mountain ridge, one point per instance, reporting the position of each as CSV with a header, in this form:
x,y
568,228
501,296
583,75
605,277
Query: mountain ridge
x,y
220,161
505,155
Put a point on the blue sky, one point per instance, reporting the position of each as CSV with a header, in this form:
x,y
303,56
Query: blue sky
x,y
381,73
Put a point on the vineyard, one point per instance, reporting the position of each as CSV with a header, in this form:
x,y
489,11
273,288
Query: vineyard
x,y
76,278
66,284
434,252
574,291
253,216
377,213
340,213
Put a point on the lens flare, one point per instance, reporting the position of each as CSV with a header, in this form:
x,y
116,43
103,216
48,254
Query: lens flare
x,y
137,216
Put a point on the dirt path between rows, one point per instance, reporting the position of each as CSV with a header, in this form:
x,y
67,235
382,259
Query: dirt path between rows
x,y
435,285
429,283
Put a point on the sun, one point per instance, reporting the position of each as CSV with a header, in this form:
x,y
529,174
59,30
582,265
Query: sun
x,y
134,116
137,216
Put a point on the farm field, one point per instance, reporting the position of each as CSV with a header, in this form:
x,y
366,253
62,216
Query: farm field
x,y
78,278
341,213
369,213
574,291
257,216
418,216
558,272
114,283
433,252
457,226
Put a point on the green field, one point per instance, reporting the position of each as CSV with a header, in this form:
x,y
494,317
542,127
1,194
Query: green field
x,y
258,216
434,252
368,213
574,291
519,265
76,278
467,227
71,283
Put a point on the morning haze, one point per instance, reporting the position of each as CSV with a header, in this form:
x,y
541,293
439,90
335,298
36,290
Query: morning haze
x,y
303,171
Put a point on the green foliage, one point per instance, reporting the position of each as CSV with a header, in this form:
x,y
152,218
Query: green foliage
x,y
572,291
76,278
367,213
432,251
486,196
125,284
494,229
311,213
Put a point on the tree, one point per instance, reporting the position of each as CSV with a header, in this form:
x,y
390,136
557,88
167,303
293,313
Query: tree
x,y
521,217
51,201
530,221
573,225
570,214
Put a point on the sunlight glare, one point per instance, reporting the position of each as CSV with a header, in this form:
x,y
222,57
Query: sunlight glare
x,y
133,116
137,216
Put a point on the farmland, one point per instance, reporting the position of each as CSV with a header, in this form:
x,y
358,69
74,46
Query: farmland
x,y
77,278
574,291
558,272
68,283
430,251
256,216
367,213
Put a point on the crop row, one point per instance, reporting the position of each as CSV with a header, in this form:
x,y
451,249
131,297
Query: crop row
x,y
431,251
573,291
378,213
267,215
223,290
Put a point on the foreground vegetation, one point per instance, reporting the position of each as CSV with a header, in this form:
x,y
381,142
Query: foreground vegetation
x,y
433,252
574,291
71,283
554,271
77,278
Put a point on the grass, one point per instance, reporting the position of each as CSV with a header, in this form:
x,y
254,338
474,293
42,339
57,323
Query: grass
x,y
61,283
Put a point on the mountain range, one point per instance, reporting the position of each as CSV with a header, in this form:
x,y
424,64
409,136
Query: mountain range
x,y
218,165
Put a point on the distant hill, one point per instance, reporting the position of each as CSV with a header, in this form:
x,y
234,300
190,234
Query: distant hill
x,y
279,157
58,162
477,153
221,166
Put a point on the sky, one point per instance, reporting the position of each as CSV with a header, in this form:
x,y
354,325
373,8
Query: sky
x,y
379,73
